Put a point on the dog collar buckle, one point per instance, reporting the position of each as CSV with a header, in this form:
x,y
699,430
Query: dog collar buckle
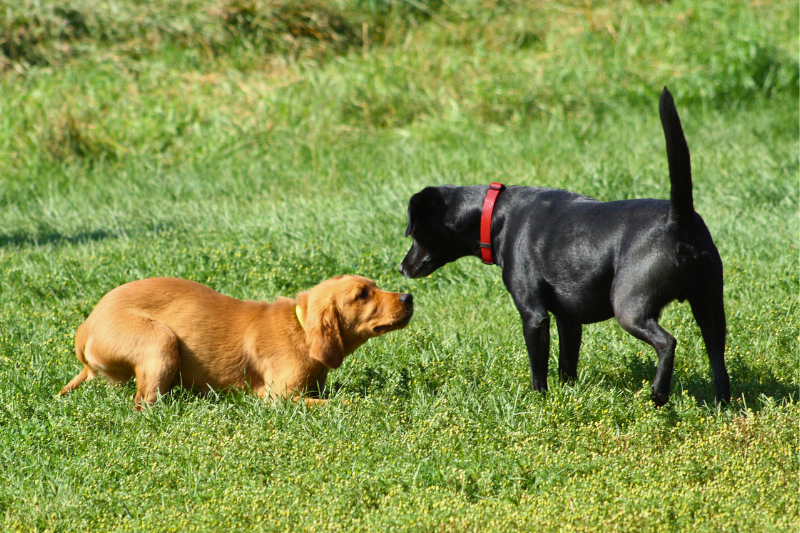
x,y
486,222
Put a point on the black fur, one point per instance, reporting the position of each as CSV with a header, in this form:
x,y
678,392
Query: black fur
x,y
585,261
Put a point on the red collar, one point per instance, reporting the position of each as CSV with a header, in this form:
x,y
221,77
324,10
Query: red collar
x,y
486,221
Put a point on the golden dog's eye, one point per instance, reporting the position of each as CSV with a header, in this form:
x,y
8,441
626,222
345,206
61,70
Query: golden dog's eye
x,y
363,294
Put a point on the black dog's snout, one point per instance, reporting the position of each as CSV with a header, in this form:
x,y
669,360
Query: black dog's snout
x,y
407,298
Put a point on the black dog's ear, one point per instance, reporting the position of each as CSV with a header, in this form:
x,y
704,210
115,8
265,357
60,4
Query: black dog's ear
x,y
422,206
410,225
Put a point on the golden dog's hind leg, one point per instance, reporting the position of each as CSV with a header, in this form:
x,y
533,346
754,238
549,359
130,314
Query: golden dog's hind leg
x,y
156,367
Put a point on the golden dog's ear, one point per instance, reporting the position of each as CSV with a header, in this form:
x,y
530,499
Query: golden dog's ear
x,y
324,338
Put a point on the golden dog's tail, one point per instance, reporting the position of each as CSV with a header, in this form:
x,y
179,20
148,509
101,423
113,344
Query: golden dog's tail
x,y
81,336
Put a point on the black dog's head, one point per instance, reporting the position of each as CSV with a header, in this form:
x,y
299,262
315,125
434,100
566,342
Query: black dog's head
x,y
439,221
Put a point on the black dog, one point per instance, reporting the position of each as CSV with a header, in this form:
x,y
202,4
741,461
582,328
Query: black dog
x,y
585,261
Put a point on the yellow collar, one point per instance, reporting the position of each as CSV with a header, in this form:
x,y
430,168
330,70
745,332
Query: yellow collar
x,y
299,314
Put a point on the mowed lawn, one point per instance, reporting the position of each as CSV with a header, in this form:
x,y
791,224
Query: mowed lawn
x,y
262,146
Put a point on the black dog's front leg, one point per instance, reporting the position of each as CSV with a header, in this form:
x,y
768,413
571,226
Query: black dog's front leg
x,y
535,323
569,344
536,327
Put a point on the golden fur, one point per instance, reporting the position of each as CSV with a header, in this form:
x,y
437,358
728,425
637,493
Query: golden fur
x,y
166,331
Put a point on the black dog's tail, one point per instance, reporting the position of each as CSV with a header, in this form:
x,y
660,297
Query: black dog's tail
x,y
681,205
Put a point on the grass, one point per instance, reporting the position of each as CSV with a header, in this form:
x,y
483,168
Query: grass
x,y
260,147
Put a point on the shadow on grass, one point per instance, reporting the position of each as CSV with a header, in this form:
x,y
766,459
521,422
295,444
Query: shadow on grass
x,y
762,384
750,385
377,380
55,238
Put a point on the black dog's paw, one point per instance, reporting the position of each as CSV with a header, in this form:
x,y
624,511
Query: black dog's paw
x,y
659,398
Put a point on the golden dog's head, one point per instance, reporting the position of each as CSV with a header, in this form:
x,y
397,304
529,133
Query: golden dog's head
x,y
344,312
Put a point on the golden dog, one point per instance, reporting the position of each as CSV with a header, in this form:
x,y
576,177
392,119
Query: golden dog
x,y
166,331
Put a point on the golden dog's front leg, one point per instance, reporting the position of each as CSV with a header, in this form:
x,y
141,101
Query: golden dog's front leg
x,y
309,401
268,393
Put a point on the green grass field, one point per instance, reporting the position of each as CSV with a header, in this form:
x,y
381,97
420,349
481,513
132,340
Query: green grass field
x,y
261,146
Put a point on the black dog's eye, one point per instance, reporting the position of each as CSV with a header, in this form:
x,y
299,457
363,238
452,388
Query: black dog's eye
x,y
363,294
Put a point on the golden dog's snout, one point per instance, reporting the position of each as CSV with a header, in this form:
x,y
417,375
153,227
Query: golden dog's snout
x,y
401,314
407,299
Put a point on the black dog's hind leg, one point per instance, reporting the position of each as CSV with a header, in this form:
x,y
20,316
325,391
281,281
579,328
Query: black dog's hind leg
x,y
648,330
709,312
569,344
711,320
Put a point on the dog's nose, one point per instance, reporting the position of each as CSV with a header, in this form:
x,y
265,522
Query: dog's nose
x,y
407,298
400,268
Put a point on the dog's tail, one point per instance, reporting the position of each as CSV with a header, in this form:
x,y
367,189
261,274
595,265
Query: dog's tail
x,y
681,204
81,336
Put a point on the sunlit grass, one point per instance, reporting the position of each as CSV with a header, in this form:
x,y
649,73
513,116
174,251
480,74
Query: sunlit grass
x,y
160,140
